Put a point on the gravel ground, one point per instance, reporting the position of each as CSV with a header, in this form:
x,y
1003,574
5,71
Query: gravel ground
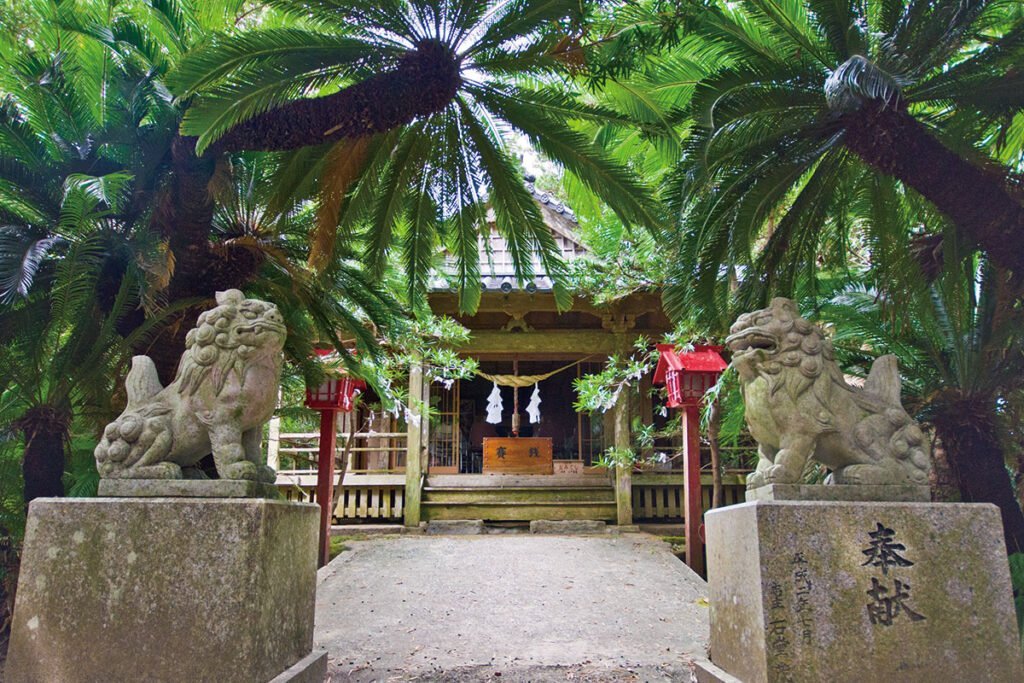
x,y
511,608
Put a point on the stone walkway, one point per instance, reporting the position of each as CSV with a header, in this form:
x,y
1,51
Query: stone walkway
x,y
511,608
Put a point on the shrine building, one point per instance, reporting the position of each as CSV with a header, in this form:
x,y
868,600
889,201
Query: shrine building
x,y
476,460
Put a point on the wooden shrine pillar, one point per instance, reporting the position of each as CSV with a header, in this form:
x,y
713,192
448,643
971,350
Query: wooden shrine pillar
x,y
623,474
692,488
274,443
415,443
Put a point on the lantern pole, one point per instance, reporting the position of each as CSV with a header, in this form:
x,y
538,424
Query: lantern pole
x,y
692,487
325,481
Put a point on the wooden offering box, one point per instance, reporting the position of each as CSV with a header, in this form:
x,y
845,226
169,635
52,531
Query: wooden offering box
x,y
518,456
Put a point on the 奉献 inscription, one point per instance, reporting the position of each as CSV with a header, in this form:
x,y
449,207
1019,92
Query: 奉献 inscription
x,y
887,603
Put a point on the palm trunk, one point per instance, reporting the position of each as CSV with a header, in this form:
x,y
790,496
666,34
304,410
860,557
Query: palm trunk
x,y
968,432
977,199
45,430
424,82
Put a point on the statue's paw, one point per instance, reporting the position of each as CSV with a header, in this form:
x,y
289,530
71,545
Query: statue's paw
x,y
864,475
780,474
167,470
755,480
266,474
239,470
160,470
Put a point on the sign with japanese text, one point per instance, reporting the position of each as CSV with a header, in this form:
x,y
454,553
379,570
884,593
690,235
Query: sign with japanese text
x,y
520,455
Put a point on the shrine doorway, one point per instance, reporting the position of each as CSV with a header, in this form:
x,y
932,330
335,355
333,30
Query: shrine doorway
x,y
456,436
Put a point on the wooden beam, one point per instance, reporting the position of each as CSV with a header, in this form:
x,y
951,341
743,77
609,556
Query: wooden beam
x,y
413,459
586,342
492,301
325,482
692,489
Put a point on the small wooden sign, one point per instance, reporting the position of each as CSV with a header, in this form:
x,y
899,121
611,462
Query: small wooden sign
x,y
518,456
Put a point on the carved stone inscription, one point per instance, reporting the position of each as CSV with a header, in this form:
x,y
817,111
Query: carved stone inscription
x,y
888,601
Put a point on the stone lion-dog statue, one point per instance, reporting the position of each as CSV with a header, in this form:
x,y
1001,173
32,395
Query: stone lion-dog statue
x,y
225,390
799,406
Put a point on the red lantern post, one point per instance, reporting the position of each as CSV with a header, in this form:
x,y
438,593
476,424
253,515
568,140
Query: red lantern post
x,y
687,376
334,395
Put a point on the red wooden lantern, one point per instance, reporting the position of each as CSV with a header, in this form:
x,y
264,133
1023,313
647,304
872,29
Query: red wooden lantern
x,y
688,375
335,393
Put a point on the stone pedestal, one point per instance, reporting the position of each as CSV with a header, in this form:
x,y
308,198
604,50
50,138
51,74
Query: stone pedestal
x,y
904,493
165,589
827,591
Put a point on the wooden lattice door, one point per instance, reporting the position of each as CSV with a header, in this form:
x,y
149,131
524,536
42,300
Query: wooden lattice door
x,y
444,444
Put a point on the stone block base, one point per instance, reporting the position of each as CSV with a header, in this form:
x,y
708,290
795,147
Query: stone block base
x,y
853,592
455,527
186,488
904,493
310,669
164,589
567,526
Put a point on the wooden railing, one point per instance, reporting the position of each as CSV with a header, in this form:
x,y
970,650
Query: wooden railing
x,y
366,493
302,448
659,497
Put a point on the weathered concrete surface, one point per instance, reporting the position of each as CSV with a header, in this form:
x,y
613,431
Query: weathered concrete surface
x,y
904,493
186,488
163,589
861,592
567,526
527,607
455,527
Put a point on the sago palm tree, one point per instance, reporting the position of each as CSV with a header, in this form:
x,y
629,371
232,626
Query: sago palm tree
x,y
75,165
812,102
60,353
396,111
960,344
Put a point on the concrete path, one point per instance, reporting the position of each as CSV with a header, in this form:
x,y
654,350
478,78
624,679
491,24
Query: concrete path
x,y
511,608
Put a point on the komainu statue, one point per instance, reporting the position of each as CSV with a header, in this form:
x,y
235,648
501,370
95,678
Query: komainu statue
x,y
799,406
225,390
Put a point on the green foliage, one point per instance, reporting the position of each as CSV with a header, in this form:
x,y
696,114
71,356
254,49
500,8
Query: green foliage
x,y
428,340
767,191
601,391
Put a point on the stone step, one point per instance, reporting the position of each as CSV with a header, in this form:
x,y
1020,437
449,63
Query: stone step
x,y
519,510
518,494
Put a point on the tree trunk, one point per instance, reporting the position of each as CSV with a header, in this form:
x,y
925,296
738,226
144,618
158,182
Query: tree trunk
x,y
424,82
45,430
967,429
714,427
977,199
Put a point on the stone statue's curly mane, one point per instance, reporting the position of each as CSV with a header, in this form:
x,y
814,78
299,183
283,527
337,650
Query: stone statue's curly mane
x,y
801,359
795,393
211,353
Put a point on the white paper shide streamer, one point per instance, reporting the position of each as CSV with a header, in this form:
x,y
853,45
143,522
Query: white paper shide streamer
x,y
533,409
494,406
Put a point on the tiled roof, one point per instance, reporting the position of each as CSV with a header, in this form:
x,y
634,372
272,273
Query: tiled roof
x,y
497,271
